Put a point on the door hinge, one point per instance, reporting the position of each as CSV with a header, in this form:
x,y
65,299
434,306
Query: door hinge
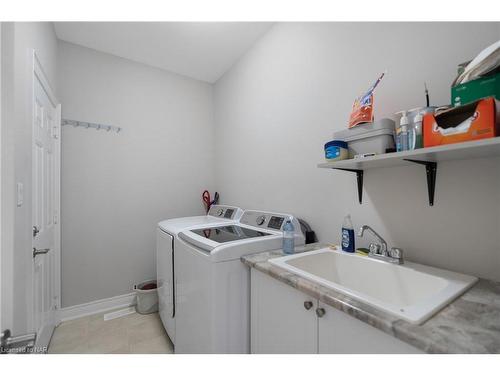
x,y
56,218
55,132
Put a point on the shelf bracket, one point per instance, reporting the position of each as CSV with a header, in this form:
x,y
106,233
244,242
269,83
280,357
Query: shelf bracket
x,y
359,178
430,170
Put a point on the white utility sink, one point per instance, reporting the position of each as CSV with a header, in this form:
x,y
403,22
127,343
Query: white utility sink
x,y
411,291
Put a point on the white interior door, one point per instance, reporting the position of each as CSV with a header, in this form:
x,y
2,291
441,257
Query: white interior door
x,y
45,206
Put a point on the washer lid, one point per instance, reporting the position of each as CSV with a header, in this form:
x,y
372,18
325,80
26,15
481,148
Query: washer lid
x,y
174,226
228,233
226,237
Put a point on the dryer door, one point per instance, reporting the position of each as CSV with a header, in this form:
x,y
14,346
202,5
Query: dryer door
x,y
165,276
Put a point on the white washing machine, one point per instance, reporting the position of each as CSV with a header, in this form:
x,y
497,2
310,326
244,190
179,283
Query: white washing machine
x,y
166,244
213,285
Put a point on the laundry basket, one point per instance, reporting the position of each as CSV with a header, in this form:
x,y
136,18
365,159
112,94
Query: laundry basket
x,y
147,297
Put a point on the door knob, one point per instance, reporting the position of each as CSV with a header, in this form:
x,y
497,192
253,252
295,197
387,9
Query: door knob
x,y
39,251
320,312
308,305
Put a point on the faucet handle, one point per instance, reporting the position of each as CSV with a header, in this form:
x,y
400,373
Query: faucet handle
x,y
396,253
374,248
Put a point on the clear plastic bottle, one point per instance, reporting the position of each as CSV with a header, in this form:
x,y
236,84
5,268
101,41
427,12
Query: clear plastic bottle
x,y
348,235
417,132
403,132
288,237
397,137
404,138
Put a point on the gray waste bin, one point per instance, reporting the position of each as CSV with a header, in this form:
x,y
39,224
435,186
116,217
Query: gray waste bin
x,y
147,297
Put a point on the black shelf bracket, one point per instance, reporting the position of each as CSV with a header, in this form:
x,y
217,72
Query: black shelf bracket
x,y
359,178
430,170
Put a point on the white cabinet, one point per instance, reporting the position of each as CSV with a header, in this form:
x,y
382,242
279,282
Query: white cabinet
x,y
280,322
339,333
285,320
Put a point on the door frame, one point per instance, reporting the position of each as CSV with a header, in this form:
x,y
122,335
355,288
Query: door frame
x,y
1,179
7,190
37,72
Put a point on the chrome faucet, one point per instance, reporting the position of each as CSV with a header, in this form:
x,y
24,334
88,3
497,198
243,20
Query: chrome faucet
x,y
379,250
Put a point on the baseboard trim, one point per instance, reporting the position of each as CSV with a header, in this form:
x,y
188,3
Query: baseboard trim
x,y
95,307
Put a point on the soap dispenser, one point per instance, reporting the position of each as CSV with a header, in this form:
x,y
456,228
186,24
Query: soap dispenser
x,y
402,133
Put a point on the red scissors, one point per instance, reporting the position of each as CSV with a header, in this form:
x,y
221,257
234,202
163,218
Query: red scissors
x,y
206,199
208,202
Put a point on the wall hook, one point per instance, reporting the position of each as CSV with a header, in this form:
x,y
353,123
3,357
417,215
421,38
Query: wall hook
x,y
88,125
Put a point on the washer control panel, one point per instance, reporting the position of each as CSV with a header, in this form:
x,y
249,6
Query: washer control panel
x,y
264,219
271,221
276,222
226,212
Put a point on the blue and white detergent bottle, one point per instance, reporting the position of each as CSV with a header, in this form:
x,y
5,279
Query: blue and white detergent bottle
x,y
288,237
348,235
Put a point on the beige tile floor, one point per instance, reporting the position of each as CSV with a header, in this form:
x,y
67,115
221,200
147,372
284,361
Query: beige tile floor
x,y
130,334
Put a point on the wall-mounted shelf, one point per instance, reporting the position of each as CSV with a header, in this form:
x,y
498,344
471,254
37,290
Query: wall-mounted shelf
x,y
428,157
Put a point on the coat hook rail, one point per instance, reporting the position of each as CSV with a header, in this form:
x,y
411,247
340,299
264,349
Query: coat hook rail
x,y
92,125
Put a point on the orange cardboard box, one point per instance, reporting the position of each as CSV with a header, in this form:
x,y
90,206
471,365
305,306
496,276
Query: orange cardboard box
x,y
470,122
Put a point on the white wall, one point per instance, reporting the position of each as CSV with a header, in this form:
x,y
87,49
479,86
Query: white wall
x,y
275,109
18,40
117,187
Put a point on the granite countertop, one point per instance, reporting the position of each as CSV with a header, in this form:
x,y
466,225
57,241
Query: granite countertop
x,y
470,324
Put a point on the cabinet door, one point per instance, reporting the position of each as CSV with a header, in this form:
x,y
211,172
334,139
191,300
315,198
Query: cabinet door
x,y
339,333
280,323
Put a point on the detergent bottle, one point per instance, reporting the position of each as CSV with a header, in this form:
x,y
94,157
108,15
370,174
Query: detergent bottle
x,y
348,235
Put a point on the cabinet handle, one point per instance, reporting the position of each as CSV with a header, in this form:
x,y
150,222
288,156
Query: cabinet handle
x,y
320,312
308,305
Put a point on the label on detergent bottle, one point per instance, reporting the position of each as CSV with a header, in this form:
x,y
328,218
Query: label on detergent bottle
x,y
348,240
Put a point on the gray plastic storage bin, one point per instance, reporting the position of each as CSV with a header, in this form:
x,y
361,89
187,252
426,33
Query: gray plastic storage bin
x,y
147,299
373,137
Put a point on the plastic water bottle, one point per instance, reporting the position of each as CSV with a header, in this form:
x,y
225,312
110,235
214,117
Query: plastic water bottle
x,y
348,235
288,237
